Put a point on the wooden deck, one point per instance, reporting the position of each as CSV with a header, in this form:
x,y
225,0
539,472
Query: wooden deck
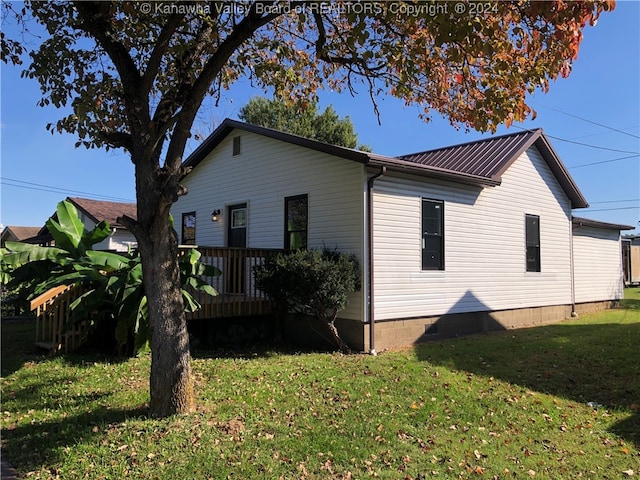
x,y
52,314
238,296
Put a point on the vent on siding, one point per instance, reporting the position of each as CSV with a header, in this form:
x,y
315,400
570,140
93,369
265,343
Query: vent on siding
x,y
431,329
236,145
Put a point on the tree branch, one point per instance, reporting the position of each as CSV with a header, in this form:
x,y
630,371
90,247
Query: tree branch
x,y
117,139
195,95
160,48
354,63
95,22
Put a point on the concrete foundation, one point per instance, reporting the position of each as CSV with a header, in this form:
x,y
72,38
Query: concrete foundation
x,y
409,331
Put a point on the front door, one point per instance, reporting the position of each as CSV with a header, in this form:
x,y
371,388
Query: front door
x,y
236,238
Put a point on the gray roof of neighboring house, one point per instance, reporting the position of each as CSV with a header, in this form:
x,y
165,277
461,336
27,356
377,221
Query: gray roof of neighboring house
x,y
481,162
587,222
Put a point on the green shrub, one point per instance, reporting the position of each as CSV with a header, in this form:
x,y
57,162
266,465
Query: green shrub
x,y
313,282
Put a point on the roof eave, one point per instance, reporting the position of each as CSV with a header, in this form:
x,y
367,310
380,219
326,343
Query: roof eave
x,y
587,222
403,166
562,174
228,125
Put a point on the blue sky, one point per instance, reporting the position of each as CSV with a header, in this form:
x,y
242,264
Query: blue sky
x,y
593,117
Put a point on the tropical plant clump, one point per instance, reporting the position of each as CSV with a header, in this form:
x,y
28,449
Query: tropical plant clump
x,y
115,290
311,282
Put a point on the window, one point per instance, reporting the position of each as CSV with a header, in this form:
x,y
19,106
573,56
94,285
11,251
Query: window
x,y
239,218
432,235
189,228
532,235
296,213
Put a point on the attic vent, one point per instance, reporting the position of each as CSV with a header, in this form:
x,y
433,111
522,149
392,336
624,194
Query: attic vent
x,y
236,145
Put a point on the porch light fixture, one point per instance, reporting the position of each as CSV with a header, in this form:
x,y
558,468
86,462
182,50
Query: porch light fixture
x,y
215,214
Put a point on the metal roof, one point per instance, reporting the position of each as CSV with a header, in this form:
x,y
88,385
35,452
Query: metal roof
x,y
489,158
480,162
485,158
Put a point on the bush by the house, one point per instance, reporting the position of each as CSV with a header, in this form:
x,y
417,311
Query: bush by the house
x,y
312,282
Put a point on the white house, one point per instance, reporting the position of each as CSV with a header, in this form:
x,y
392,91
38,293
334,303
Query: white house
x,y
457,240
91,212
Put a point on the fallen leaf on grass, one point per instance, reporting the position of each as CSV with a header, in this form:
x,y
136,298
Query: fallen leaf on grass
x,y
629,473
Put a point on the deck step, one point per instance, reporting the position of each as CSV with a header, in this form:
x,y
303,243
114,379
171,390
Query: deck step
x,y
48,346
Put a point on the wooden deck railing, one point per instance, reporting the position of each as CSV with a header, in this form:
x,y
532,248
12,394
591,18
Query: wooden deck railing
x,y
52,314
238,294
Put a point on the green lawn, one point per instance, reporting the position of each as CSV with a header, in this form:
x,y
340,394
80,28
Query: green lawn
x,y
561,401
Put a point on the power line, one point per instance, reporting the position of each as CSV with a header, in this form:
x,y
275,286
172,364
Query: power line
x,y
601,133
619,201
587,120
591,146
635,154
604,161
612,209
54,189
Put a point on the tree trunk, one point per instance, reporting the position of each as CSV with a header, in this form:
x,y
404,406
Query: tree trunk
x,y
344,348
171,384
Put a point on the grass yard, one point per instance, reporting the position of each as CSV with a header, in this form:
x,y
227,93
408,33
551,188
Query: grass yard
x,y
560,401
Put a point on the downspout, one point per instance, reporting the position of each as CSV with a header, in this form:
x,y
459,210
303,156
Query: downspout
x,y
574,314
372,338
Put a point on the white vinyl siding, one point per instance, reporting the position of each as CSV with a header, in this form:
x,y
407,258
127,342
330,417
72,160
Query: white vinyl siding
x,y
119,240
597,264
263,175
485,247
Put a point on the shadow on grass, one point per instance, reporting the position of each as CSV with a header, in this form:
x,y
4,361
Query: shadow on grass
x,y
18,345
585,363
41,443
253,351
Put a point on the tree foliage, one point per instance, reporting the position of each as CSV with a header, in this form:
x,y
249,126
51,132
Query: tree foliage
x,y
311,282
302,120
134,75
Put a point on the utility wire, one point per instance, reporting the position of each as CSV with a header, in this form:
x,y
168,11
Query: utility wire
x,y
604,161
587,120
592,146
635,154
601,133
619,201
612,209
54,189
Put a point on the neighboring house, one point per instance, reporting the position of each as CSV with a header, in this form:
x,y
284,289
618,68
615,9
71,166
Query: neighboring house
x,y
91,212
12,233
631,259
463,239
597,261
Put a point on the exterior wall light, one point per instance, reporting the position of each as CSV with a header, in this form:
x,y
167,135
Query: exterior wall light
x,y
215,214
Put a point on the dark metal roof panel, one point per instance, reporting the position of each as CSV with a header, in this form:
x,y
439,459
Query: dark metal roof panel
x,y
484,158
